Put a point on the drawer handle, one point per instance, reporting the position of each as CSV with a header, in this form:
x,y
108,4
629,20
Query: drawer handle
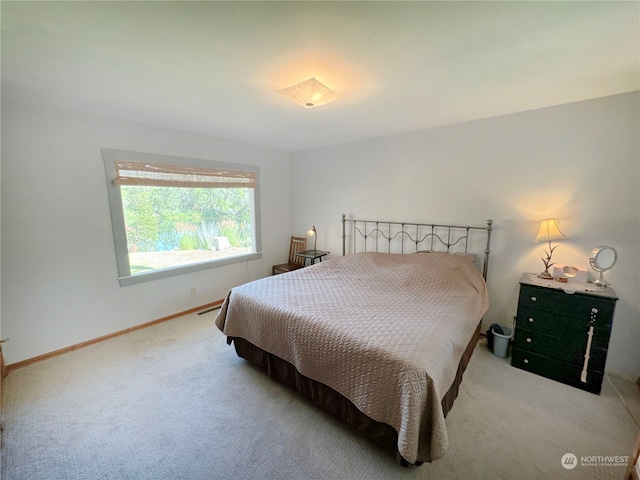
x,y
594,310
528,340
530,319
526,360
534,299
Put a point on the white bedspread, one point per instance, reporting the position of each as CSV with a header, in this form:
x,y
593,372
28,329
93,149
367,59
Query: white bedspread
x,y
387,331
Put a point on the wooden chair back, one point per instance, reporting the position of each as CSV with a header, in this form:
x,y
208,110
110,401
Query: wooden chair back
x,y
297,245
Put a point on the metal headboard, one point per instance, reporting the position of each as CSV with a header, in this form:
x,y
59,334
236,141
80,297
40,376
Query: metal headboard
x,y
401,237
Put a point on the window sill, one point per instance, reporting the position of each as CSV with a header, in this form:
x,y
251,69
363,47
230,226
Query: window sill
x,y
193,267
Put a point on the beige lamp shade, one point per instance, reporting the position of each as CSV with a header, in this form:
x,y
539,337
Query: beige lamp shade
x,y
310,93
549,230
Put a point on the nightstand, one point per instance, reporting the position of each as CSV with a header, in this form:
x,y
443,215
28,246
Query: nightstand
x,y
562,331
312,256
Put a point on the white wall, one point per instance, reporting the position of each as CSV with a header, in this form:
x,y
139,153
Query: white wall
x,y
579,163
59,276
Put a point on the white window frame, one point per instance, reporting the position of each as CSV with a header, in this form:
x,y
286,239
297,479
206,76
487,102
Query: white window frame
x,y
111,156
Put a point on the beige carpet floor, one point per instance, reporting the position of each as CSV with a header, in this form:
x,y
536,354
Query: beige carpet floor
x,y
173,401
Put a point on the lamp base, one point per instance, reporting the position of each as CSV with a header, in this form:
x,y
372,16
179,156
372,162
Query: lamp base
x,y
546,275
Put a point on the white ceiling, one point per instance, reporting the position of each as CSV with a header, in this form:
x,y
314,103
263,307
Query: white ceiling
x,y
212,67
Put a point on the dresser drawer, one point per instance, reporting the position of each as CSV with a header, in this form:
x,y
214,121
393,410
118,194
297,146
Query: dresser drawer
x,y
577,305
556,370
571,350
564,327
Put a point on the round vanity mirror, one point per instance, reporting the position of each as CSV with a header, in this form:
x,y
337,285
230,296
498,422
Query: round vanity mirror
x,y
602,258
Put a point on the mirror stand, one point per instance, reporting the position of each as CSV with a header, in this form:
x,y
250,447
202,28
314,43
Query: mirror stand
x,y
600,282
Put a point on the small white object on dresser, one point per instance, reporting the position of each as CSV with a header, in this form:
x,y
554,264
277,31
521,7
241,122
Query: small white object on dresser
x,y
572,274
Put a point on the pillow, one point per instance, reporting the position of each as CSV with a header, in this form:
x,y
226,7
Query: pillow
x,y
470,256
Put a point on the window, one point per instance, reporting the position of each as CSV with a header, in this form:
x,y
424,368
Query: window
x,y
173,215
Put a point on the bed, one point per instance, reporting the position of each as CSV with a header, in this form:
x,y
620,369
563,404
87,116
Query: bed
x,y
379,336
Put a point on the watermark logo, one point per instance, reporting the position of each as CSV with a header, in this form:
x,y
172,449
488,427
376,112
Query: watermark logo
x,y
569,461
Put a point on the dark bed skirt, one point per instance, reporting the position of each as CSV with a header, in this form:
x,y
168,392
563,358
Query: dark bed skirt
x,y
335,403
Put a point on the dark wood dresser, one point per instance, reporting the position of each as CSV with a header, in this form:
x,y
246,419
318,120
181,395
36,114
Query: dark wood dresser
x,y
562,331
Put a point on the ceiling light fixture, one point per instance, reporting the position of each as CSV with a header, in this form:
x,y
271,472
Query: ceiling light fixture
x,y
310,93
